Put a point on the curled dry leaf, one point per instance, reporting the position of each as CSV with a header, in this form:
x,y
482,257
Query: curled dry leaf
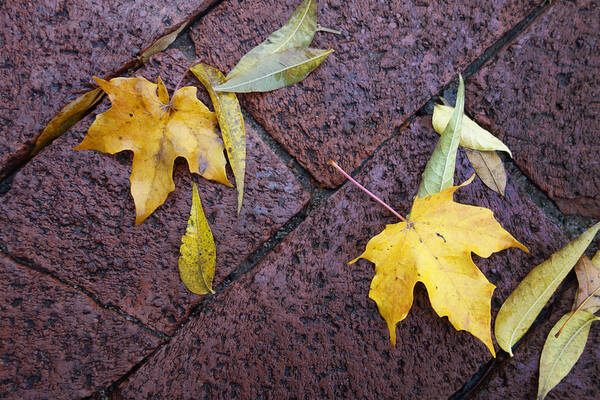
x,y
143,120
561,353
434,247
298,31
588,277
439,172
276,70
472,135
488,166
525,303
231,122
198,255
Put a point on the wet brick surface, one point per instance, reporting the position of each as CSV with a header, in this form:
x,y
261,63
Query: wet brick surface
x,y
300,325
56,342
71,212
541,97
51,49
389,60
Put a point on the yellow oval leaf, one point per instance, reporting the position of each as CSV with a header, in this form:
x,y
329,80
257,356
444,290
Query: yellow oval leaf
x,y
561,353
472,135
489,168
198,254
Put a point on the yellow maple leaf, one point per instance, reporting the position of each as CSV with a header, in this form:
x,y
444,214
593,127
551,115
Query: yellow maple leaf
x,y
143,120
434,247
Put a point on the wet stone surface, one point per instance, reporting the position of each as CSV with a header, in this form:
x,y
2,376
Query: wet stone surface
x,y
540,96
300,325
517,377
56,342
71,212
51,49
389,60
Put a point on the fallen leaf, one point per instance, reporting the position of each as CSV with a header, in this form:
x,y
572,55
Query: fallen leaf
x,y
472,135
198,255
231,122
162,43
588,277
439,172
560,354
524,304
489,167
434,247
276,71
298,31
142,120
68,116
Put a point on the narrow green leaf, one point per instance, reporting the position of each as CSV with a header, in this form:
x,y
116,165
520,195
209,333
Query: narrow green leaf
x,y
472,135
561,353
525,303
439,172
231,122
276,71
298,31
198,255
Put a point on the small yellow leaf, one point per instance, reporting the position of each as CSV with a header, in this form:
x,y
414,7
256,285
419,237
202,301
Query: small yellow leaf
x,y
142,120
488,166
561,353
472,135
524,304
198,254
434,247
588,277
67,117
231,122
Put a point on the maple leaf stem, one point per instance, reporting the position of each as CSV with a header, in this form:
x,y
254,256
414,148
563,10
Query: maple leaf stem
x,y
575,312
361,187
178,86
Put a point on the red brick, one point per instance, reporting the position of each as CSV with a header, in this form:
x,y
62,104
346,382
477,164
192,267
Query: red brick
x,y
517,377
56,342
390,59
300,325
51,49
71,212
541,97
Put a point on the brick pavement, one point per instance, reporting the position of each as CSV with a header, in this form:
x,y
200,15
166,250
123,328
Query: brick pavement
x,y
299,323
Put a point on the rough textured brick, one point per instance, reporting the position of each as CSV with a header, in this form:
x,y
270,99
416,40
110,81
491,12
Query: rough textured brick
x,y
56,342
300,325
541,96
389,60
51,49
71,212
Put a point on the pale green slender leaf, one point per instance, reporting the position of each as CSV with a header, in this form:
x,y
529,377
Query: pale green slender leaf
x,y
439,172
276,71
231,122
525,303
488,166
472,135
561,353
298,31
198,255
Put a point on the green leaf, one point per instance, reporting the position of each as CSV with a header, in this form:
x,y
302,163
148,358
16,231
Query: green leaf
x,y
198,255
231,122
439,172
525,303
488,166
276,71
560,354
472,135
297,32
